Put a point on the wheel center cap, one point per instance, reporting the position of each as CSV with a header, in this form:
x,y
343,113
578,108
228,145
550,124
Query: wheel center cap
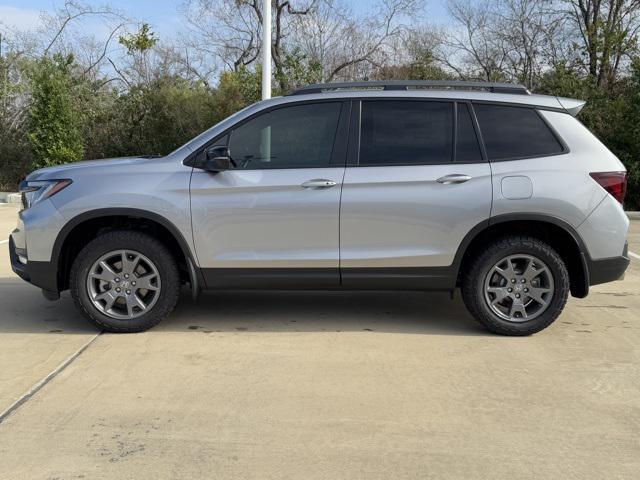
x,y
125,283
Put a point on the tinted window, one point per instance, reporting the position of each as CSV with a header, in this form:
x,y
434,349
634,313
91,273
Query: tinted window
x,y
406,132
515,132
290,137
467,147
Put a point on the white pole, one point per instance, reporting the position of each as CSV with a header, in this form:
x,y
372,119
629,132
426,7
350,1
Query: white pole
x,y
266,49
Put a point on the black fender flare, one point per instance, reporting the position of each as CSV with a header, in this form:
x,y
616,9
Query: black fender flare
x,y
585,259
194,272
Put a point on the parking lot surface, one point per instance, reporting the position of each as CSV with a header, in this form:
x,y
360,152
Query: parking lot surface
x,y
319,386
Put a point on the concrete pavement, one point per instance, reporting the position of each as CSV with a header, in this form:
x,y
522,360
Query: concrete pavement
x,y
29,348
322,386
8,212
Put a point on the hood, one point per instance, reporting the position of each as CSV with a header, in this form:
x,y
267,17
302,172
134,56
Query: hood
x,y
68,169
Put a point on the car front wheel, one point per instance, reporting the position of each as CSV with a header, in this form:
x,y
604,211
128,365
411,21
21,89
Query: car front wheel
x,y
125,281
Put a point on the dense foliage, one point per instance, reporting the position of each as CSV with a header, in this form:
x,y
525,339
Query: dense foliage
x,y
54,126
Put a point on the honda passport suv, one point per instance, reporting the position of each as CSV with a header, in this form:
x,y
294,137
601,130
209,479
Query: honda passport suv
x,y
357,186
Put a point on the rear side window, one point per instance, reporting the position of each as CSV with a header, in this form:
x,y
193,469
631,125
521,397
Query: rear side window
x,y
467,146
406,133
515,132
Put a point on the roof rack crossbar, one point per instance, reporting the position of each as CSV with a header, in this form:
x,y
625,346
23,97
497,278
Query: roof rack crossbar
x,y
413,84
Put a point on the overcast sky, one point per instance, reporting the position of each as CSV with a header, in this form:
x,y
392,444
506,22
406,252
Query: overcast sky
x,y
162,15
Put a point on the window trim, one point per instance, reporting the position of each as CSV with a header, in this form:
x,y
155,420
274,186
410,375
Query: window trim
x,y
454,134
338,150
476,129
353,149
554,132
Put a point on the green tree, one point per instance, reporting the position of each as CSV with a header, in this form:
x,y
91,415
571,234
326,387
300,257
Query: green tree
x,y
141,41
297,69
612,113
236,90
421,67
15,150
150,119
54,132
627,143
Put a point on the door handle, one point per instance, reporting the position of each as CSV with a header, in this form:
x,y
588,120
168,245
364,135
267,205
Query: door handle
x,y
318,183
454,178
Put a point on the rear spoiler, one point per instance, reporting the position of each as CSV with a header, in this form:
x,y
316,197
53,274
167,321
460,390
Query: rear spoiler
x,y
571,105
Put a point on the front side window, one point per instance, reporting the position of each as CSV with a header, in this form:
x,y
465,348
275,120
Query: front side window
x,y
299,136
406,133
515,132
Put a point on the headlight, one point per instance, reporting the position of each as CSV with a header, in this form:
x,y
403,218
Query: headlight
x,y
37,190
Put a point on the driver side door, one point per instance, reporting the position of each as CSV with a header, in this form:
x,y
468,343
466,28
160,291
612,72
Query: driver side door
x,y
272,220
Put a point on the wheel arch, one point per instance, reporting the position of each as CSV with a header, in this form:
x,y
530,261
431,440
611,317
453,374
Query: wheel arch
x,y
89,224
555,231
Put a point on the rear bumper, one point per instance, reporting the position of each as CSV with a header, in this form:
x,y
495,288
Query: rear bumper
x,y
608,269
41,274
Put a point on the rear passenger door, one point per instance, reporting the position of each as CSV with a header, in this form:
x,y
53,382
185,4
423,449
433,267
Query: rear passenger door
x,y
416,183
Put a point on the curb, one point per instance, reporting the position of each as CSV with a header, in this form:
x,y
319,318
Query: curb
x,y
633,215
10,197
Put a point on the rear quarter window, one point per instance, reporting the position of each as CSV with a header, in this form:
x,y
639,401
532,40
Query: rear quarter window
x,y
511,132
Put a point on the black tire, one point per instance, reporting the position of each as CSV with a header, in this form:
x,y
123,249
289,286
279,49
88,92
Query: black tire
x,y
473,284
148,246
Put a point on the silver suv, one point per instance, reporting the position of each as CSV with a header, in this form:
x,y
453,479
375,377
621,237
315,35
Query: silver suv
x,y
378,185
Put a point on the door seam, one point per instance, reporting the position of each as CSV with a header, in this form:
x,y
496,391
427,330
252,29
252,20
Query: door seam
x,y
344,174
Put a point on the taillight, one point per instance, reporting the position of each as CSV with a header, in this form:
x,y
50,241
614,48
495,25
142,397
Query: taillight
x,y
613,182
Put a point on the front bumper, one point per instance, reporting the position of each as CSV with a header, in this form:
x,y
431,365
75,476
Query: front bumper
x,y
608,269
41,274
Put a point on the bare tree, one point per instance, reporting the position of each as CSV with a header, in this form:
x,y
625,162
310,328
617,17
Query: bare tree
x,y
72,11
474,49
348,45
226,31
231,29
324,31
608,30
514,40
412,57
529,30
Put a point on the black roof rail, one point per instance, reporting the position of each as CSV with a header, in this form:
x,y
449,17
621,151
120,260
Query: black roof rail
x,y
493,87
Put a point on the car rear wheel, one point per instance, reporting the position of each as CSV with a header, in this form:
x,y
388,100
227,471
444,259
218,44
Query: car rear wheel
x,y
125,281
517,286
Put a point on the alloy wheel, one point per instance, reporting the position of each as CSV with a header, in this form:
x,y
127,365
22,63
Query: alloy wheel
x,y
519,288
123,284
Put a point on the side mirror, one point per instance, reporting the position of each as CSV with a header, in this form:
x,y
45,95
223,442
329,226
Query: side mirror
x,y
217,159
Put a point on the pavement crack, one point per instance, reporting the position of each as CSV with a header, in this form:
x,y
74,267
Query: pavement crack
x,y
38,386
